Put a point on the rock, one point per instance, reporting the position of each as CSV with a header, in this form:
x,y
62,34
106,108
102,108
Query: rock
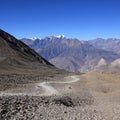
x,y
67,101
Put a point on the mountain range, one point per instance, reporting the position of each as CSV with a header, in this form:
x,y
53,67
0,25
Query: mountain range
x,y
111,44
73,54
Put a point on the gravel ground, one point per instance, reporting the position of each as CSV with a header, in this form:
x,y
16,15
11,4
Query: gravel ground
x,y
92,98
53,108
45,108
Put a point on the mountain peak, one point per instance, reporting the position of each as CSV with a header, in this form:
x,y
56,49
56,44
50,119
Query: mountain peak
x,y
35,38
50,37
56,36
102,62
60,36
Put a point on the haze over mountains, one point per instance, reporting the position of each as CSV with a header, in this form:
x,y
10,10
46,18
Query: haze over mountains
x,y
111,44
76,55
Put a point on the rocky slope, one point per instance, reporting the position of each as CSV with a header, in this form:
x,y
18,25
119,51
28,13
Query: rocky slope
x,y
94,97
15,54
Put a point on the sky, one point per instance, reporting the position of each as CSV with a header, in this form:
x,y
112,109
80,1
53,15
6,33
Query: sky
x,y
82,19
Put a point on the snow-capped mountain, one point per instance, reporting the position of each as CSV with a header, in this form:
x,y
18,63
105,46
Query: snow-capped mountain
x,y
50,37
35,38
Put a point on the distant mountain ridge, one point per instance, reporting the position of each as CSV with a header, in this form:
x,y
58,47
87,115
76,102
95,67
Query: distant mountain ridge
x,y
111,44
71,54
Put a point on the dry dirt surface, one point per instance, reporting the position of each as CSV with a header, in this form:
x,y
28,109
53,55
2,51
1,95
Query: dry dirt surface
x,y
92,96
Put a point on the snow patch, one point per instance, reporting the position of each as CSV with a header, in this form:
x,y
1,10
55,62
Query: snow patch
x,y
60,36
34,38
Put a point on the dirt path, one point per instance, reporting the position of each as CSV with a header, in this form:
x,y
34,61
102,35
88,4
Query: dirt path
x,y
50,90
40,89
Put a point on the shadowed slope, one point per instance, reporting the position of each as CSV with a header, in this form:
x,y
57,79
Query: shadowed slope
x,y
15,56
11,47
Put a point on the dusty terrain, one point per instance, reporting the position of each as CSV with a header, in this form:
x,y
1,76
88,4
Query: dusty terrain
x,y
92,96
33,89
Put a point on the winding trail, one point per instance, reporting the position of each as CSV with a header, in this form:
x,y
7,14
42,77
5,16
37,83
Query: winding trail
x,y
47,88
50,90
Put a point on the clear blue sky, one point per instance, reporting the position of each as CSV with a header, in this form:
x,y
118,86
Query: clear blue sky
x,y
83,19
